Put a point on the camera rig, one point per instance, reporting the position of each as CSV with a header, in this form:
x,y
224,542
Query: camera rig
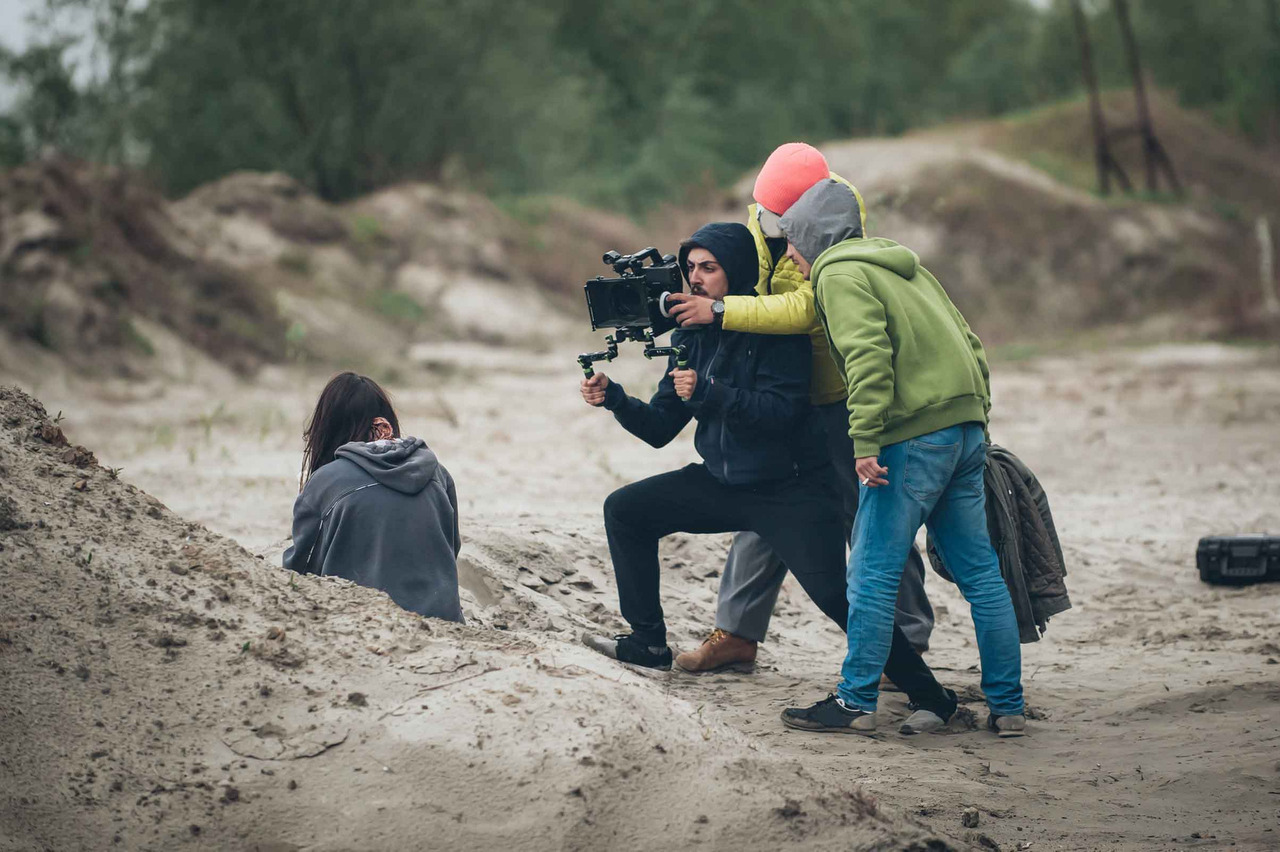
x,y
636,303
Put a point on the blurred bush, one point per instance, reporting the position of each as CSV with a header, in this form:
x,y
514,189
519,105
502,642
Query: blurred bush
x,y
615,102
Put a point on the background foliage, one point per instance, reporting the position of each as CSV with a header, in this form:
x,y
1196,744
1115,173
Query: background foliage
x,y
617,102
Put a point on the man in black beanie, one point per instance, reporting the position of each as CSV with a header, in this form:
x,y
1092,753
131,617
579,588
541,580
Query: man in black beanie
x,y
750,396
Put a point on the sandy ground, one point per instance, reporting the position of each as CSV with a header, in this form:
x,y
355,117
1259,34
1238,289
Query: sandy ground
x,y
1155,701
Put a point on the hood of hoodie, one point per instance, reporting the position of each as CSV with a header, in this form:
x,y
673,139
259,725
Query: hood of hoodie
x,y
825,225
899,260
828,213
734,249
404,464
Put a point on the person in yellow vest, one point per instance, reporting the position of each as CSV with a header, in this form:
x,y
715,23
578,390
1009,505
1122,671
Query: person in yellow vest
x,y
784,304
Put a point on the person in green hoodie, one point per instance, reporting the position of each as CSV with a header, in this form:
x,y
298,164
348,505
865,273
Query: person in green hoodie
x,y
919,396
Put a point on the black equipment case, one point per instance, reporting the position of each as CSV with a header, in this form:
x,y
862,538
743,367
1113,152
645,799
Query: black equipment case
x,y
1238,559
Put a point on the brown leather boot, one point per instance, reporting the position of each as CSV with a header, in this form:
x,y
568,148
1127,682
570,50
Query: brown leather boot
x,y
720,652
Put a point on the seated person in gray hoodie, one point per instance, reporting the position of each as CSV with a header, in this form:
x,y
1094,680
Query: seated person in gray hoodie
x,y
376,508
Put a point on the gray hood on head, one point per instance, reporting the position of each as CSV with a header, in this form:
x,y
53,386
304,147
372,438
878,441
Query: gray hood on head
x,y
405,464
825,215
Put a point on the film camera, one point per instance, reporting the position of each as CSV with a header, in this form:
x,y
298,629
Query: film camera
x,y
636,303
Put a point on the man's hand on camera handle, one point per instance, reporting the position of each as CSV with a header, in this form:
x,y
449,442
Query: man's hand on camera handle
x,y
686,381
593,389
870,472
691,310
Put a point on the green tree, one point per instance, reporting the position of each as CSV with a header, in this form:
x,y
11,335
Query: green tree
x,y
620,102
1220,55
47,114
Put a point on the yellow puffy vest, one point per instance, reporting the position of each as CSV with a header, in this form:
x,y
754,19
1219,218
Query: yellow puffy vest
x,y
787,308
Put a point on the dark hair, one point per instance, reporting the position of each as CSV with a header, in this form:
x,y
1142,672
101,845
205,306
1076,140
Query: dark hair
x,y
344,413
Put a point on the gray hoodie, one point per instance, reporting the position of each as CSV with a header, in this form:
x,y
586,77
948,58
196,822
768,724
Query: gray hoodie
x,y
825,215
385,515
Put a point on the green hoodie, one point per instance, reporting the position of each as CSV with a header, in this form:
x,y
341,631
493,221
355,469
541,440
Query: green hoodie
x,y
909,359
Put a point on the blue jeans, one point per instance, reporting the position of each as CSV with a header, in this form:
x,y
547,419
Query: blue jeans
x,y
935,479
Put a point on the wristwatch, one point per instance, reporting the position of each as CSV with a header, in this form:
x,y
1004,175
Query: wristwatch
x,y
717,312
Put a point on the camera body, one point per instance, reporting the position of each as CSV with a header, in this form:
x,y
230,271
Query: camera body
x,y
637,303
637,298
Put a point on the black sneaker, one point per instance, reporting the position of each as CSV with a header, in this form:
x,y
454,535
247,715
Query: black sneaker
x,y
626,649
830,715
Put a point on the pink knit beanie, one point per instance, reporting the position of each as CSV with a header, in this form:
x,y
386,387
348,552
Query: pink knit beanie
x,y
787,175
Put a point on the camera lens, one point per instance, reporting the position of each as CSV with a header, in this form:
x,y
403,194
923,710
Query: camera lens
x,y
628,302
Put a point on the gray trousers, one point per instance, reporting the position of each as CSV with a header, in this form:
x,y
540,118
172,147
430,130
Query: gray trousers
x,y
753,573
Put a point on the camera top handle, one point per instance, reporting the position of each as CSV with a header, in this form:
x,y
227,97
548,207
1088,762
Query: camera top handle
x,y
624,263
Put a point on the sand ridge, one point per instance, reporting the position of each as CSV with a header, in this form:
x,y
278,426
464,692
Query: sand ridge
x,y
164,688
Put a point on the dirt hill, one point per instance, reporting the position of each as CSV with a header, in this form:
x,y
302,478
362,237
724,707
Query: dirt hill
x,y
161,688
105,278
1004,213
92,262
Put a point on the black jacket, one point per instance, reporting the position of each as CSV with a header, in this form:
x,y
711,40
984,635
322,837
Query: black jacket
x,y
751,403
1026,543
752,395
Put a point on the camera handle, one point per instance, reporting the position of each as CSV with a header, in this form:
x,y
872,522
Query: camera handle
x,y
681,352
645,336
586,359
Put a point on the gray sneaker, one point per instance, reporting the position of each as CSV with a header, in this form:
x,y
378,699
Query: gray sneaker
x,y
922,722
1007,726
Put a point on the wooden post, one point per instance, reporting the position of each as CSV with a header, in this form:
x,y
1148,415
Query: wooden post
x,y
1106,164
1153,153
1267,269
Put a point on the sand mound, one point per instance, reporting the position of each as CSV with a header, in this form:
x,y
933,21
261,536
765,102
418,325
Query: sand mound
x,y
90,257
105,278
1004,213
1024,255
162,688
